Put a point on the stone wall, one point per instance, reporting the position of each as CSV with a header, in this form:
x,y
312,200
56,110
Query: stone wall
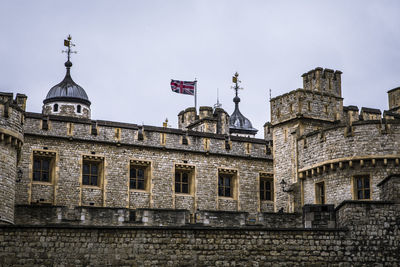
x,y
70,141
368,235
335,155
11,139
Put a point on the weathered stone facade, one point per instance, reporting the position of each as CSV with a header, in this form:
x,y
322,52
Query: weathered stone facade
x,y
238,200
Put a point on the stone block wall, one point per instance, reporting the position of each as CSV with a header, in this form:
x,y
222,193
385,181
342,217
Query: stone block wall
x,y
70,141
11,139
390,188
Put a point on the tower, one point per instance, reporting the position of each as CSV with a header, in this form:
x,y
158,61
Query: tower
x,y
316,105
67,98
11,140
394,99
238,124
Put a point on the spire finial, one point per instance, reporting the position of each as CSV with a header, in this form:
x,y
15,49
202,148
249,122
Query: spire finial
x,y
68,44
217,105
236,87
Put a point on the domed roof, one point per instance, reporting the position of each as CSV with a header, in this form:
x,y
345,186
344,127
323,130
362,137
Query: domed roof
x,y
238,123
67,90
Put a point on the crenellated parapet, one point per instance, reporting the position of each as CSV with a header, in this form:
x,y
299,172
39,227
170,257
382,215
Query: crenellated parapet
x,y
341,155
208,120
323,80
11,139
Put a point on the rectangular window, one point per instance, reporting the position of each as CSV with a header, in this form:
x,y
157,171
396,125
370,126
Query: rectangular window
x,y
266,188
137,177
362,187
225,185
42,169
320,193
91,173
182,182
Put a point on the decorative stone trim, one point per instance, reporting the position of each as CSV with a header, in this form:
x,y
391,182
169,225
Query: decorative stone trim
x,y
139,162
340,163
93,157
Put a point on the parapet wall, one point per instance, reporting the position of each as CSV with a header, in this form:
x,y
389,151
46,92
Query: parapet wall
x,y
143,136
368,236
308,104
363,140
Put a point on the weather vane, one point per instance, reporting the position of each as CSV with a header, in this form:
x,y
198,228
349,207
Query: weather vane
x,y
69,44
236,81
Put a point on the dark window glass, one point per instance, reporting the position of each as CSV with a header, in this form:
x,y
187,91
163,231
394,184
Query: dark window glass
x,y
137,178
266,187
224,185
90,173
181,182
55,107
78,108
41,169
363,190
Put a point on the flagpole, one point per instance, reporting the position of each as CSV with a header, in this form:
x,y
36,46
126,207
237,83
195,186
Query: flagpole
x,y
195,94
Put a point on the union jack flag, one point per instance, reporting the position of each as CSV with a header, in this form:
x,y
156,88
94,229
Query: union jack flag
x,y
183,87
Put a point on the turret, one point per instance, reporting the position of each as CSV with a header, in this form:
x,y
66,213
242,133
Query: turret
x,y
67,98
239,125
11,139
323,80
394,100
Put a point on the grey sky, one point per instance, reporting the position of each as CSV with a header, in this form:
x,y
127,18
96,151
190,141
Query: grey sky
x,y
129,50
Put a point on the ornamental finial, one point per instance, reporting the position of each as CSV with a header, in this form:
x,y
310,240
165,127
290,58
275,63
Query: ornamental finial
x,y
68,44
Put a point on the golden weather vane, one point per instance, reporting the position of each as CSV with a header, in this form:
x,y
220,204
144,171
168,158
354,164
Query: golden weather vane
x,y
69,44
236,81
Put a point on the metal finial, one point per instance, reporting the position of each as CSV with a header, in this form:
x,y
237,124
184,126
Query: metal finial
x,y
236,81
68,44
217,105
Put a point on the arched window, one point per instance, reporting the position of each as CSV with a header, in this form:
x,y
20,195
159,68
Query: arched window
x,y
55,108
78,108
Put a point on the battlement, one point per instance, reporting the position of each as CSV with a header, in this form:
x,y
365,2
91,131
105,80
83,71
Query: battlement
x,y
121,134
208,120
301,103
323,80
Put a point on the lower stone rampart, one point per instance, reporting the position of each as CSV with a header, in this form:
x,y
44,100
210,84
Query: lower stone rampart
x,y
368,235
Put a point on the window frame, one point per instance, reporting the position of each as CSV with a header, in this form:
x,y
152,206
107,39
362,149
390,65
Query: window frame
x,y
137,179
356,189
233,184
320,198
93,160
264,178
50,172
182,169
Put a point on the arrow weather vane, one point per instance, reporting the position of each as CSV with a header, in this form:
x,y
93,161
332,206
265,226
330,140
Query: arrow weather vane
x,y
68,44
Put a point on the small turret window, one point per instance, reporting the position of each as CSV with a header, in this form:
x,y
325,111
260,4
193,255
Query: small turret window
x,y
55,108
79,109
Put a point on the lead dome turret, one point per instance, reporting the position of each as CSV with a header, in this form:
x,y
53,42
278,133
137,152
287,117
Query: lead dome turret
x,y
238,124
67,98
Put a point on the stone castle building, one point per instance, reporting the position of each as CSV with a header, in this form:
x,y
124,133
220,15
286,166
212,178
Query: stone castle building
x,y
320,165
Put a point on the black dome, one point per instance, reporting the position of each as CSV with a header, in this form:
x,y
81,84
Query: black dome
x,y
67,90
240,124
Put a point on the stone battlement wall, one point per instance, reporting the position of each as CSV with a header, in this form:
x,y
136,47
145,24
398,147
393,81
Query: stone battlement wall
x,y
144,136
368,235
363,140
336,155
309,104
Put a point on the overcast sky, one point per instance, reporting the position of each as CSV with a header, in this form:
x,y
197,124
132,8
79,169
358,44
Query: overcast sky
x,y
128,51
